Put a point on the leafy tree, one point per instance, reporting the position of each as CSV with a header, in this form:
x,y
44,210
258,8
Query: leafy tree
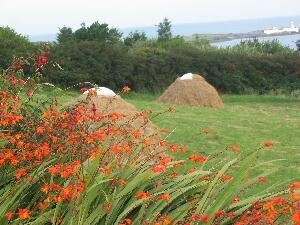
x,y
65,34
135,37
164,30
97,32
12,45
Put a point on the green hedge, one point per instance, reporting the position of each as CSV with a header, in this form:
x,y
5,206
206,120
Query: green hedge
x,y
149,69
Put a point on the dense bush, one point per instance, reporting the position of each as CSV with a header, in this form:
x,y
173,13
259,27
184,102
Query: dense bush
x,y
12,45
151,65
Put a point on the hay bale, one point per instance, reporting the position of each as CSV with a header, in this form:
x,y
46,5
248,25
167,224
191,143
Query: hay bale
x,y
125,127
195,92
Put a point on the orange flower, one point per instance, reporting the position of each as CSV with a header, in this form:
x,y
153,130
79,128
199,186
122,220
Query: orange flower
x,y
24,214
84,89
106,207
204,218
92,92
142,195
165,197
158,169
162,143
137,134
295,185
104,170
165,130
205,132
39,130
21,172
235,200
182,149
41,206
262,179
128,221
218,213
268,144
225,177
234,148
295,197
296,217
170,109
45,188
197,159
146,141
126,89
9,215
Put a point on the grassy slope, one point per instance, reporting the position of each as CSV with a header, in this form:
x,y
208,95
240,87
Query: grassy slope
x,y
246,121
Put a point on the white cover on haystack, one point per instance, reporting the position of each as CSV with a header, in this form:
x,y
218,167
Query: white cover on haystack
x,y
102,91
187,76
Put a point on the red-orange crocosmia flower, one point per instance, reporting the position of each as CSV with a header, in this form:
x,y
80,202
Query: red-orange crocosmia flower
x,y
24,214
268,144
295,185
21,172
165,197
235,148
126,89
263,179
170,109
205,132
204,218
45,188
84,89
158,169
9,215
142,195
162,143
296,217
128,221
218,213
165,130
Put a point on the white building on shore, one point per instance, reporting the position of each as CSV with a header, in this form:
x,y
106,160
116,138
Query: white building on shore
x,y
276,30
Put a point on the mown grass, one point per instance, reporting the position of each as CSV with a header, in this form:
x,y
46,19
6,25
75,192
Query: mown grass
x,y
245,121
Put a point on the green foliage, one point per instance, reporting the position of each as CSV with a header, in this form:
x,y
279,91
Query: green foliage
x,y
298,45
164,30
95,32
103,63
12,45
134,37
266,47
65,35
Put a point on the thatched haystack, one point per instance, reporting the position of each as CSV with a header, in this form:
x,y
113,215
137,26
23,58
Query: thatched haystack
x,y
127,128
191,89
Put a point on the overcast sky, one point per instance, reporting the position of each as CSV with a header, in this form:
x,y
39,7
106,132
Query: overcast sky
x,y
38,17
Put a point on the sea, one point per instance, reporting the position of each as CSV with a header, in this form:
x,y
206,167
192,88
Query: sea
x,y
219,27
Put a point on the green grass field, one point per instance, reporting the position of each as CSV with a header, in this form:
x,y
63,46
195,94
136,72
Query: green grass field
x,y
246,122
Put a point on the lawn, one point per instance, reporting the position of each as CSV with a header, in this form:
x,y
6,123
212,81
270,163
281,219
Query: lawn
x,y
245,121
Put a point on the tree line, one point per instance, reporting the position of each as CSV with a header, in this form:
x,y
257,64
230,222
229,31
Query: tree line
x,y
100,54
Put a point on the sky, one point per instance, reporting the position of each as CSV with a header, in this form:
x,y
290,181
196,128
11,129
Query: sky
x,y
45,17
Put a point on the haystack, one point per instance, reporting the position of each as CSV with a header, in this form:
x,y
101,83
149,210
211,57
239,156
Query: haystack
x,y
191,89
107,103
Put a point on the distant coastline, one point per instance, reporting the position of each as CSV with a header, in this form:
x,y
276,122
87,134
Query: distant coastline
x,y
216,31
216,38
